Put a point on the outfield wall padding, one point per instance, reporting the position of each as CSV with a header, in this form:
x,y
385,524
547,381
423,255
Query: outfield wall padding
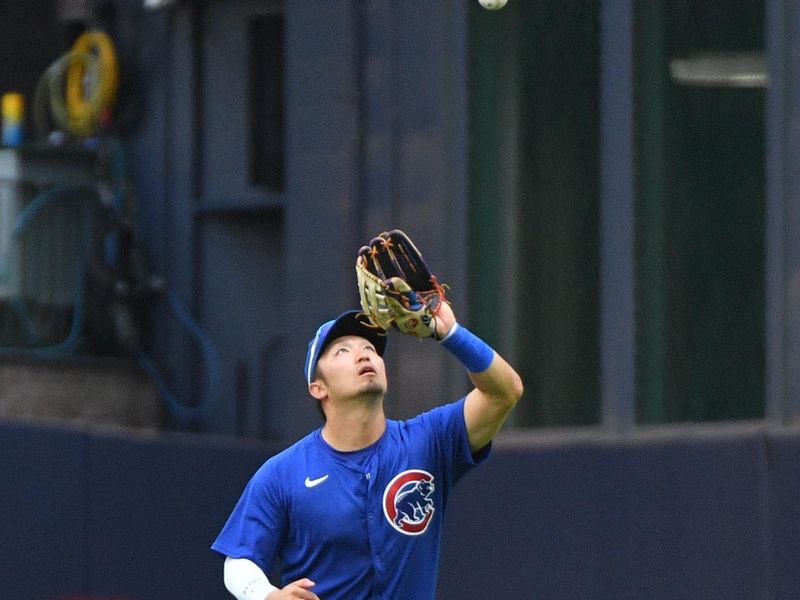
x,y
111,513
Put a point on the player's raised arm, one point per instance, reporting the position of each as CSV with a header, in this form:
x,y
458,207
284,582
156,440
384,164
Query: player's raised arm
x,y
498,387
397,290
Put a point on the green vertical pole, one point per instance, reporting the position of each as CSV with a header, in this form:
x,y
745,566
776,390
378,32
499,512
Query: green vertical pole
x,y
484,170
652,336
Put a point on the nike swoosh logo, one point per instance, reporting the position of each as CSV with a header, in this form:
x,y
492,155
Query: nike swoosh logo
x,y
312,482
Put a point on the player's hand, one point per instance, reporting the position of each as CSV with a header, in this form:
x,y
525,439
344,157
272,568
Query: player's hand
x,y
296,589
444,319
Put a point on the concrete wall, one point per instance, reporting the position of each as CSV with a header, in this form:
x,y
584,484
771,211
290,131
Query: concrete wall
x,y
101,391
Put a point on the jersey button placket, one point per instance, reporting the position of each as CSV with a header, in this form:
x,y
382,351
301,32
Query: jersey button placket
x,y
373,525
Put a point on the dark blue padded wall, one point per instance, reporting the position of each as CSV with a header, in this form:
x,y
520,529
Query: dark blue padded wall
x,y
677,519
706,516
112,515
42,531
154,507
784,518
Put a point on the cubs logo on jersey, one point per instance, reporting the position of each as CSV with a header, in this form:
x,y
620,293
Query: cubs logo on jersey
x,y
408,503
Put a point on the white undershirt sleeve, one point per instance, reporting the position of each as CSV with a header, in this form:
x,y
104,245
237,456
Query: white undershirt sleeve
x,y
245,580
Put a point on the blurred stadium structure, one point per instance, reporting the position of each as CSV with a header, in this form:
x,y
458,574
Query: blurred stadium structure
x,y
610,188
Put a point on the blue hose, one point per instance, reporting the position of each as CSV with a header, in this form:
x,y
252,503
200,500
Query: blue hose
x,y
178,409
24,219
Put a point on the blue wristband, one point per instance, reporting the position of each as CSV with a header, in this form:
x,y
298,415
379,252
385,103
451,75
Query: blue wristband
x,y
475,354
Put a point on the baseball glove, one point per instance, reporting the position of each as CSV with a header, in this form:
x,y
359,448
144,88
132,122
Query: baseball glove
x,y
396,287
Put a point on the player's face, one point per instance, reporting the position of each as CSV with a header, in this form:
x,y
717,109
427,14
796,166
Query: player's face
x,y
351,366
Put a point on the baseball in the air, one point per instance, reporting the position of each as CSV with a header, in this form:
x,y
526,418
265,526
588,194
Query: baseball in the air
x,y
493,4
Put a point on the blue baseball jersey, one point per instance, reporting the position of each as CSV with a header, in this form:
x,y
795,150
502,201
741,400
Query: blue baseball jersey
x,y
362,525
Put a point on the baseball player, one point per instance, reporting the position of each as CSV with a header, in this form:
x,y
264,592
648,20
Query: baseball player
x,y
354,510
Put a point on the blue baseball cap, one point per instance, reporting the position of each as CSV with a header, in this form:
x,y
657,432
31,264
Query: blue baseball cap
x,y
352,322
